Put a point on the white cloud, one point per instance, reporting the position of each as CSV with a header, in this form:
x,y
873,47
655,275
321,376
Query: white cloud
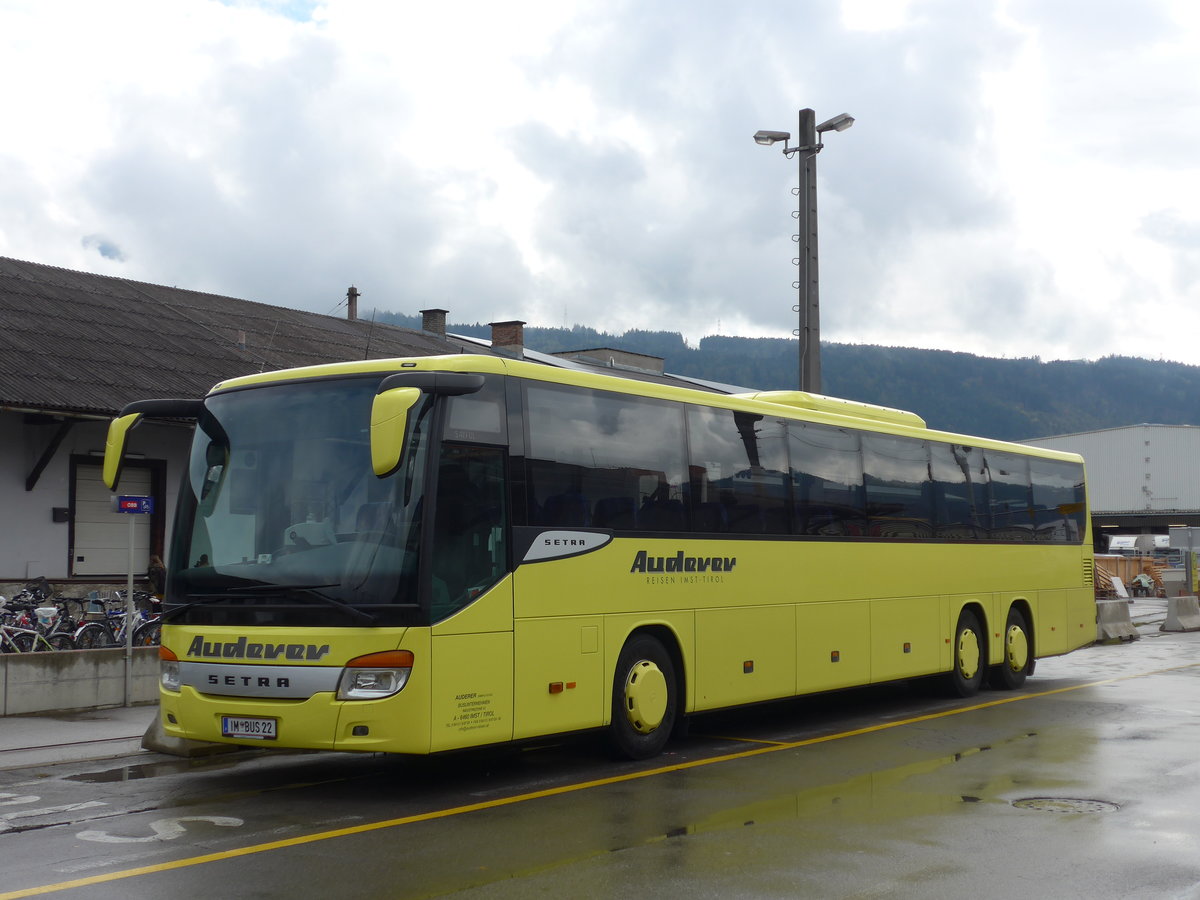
x,y
1021,174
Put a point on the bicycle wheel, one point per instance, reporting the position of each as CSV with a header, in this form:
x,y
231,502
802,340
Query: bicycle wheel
x,y
92,636
23,642
147,634
58,641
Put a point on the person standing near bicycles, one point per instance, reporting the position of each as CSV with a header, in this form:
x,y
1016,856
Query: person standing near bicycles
x,y
156,574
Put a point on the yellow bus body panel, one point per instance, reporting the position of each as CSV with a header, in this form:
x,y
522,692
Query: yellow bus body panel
x,y
907,636
560,674
399,723
746,654
472,696
491,611
472,700
833,645
846,613
1051,633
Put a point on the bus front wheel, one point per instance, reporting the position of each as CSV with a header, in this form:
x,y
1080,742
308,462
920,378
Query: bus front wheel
x,y
965,679
645,699
1011,672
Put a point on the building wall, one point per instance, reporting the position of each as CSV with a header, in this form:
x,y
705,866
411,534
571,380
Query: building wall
x,y
34,544
1139,467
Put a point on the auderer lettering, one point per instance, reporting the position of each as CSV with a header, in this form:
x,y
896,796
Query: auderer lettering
x,y
242,649
643,562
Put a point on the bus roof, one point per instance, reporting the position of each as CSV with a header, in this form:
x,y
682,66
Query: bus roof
x,y
815,407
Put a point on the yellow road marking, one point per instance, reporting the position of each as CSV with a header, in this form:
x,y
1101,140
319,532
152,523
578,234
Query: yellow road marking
x,y
556,791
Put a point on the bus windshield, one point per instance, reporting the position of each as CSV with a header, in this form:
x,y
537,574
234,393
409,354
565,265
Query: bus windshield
x,y
281,519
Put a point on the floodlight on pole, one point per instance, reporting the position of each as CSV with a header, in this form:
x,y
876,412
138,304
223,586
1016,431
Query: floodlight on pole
x,y
767,138
808,305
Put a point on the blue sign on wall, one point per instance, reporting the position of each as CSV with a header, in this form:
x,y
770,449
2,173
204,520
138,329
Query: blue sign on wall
x,y
135,505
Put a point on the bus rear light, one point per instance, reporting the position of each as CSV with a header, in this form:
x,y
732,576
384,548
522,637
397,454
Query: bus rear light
x,y
375,675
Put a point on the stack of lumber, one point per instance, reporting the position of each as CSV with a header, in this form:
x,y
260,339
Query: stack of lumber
x,y
1126,568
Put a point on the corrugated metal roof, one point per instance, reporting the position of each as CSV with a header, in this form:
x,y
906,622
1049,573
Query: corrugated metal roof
x,y
78,342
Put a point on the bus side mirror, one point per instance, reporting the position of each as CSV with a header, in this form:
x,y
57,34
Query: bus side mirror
x,y
114,447
389,423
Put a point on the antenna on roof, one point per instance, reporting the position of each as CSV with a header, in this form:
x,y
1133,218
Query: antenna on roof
x,y
263,364
370,331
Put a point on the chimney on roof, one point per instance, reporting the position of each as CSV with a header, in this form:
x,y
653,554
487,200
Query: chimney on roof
x,y
352,296
508,338
434,321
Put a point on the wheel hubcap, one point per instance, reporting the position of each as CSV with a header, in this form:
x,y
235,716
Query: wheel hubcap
x,y
645,696
1016,648
968,653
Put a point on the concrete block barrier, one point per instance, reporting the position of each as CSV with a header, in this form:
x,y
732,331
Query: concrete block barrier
x,y
1113,622
1183,614
74,679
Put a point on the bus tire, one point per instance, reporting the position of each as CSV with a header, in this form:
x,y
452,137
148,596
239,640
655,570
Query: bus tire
x,y
645,699
1010,673
970,658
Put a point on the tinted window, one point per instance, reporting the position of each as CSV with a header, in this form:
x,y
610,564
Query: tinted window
x,y
1059,504
604,460
738,477
468,534
826,472
1009,515
959,492
896,474
479,417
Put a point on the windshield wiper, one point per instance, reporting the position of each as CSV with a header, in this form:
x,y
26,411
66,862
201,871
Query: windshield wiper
x,y
258,589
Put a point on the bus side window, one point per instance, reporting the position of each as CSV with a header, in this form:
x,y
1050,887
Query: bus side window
x,y
896,475
738,473
826,466
604,460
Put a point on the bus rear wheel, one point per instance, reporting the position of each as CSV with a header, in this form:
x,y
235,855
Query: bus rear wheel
x,y
1011,672
645,699
965,679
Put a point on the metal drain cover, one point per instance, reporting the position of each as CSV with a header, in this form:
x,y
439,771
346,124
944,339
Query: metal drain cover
x,y
1065,805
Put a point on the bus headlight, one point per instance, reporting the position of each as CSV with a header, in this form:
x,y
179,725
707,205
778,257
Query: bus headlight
x,y
375,675
168,669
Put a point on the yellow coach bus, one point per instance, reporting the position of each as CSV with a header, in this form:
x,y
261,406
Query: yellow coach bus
x,y
419,555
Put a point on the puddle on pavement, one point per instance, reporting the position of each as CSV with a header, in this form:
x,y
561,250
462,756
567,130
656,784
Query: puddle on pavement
x,y
872,797
149,770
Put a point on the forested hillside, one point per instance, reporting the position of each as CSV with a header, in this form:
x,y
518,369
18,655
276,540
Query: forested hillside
x,y
1010,399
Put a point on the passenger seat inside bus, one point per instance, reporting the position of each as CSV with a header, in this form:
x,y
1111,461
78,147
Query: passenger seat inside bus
x,y
615,512
566,509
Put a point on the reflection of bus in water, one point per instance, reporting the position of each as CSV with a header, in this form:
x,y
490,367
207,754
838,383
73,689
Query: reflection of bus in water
x,y
427,554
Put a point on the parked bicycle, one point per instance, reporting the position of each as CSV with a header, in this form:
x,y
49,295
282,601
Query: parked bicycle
x,y
25,628
48,613
36,618
105,621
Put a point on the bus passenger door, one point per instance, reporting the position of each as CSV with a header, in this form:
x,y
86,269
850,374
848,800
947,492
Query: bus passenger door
x,y
472,601
471,687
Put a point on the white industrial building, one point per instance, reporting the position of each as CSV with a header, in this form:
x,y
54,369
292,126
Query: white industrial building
x,y
1141,478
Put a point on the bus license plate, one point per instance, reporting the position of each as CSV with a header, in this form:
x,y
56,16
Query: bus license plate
x,y
245,727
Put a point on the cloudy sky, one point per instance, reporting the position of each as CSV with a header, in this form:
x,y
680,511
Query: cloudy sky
x,y
1023,178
